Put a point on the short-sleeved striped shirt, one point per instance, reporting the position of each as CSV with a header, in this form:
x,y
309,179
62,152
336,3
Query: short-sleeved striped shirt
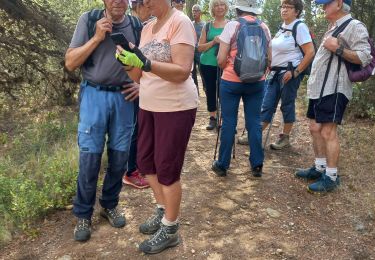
x,y
354,37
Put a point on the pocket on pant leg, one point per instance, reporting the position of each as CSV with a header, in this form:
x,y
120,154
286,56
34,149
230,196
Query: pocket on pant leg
x,y
90,139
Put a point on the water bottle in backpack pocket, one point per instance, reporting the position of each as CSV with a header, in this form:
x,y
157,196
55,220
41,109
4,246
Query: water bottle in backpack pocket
x,y
250,62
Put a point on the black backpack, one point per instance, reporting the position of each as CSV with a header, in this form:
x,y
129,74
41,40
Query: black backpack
x,y
294,34
96,14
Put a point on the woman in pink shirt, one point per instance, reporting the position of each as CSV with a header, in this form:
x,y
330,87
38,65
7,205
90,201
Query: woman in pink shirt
x,y
168,101
232,90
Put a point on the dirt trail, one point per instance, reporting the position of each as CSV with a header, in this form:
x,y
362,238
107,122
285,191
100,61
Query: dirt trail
x,y
237,217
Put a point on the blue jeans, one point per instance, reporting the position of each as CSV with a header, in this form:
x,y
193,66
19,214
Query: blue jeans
x,y
102,113
288,98
252,96
132,163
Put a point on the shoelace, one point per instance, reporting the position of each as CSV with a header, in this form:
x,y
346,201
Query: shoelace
x,y
159,236
83,224
154,220
113,213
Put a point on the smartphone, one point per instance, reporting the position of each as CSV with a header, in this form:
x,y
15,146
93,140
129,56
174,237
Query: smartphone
x,y
120,39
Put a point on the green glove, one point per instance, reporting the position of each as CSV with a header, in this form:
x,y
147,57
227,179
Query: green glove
x,y
128,58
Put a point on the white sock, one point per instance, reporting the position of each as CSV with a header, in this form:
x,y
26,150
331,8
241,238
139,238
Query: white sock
x,y
320,164
160,206
166,222
331,173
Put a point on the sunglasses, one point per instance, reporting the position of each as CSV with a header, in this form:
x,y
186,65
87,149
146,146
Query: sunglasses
x,y
179,1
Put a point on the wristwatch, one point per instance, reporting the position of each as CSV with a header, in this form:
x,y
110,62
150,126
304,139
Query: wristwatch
x,y
340,50
147,66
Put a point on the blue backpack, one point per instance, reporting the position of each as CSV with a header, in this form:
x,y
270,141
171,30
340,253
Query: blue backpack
x,y
250,62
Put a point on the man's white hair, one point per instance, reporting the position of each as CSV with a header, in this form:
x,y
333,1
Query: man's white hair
x,y
346,8
197,6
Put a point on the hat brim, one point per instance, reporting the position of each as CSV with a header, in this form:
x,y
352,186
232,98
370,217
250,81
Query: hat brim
x,y
249,9
323,2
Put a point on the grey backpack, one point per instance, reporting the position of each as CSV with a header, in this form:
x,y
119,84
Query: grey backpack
x,y
250,62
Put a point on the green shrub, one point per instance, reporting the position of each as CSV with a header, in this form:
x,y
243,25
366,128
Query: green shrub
x,y
38,173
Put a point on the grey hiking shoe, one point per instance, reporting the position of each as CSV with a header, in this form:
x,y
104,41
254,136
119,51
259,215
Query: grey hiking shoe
x,y
283,142
212,124
153,223
243,140
82,231
167,236
114,218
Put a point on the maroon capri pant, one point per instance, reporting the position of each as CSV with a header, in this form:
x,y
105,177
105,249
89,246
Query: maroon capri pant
x,y
162,141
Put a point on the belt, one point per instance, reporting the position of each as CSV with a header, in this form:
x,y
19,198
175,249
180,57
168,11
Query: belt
x,y
278,70
102,87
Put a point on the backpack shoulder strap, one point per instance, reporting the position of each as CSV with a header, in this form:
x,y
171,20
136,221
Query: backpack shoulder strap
x,y
93,16
137,27
294,33
341,28
207,28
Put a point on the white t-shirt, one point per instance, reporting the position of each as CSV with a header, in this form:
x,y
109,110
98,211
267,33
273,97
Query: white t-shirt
x,y
283,45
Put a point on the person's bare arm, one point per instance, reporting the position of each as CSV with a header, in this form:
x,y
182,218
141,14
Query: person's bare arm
x,y
203,45
75,57
308,50
222,55
332,44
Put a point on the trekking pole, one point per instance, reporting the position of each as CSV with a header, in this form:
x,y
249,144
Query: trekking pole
x,y
217,138
273,115
218,109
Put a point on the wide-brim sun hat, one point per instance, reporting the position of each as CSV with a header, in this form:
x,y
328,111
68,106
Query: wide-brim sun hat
x,y
323,2
249,6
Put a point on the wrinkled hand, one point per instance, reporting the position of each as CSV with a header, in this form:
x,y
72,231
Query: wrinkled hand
x,y
287,76
103,26
331,43
131,91
217,40
128,58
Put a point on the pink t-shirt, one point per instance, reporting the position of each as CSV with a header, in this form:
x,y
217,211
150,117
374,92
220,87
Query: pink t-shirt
x,y
157,94
226,36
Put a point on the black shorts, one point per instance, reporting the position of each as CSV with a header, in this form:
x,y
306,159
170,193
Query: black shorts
x,y
330,109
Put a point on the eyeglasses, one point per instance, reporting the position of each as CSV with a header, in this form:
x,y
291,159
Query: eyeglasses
x,y
289,7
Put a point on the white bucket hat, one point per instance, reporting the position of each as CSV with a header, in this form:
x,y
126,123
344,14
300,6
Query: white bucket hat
x,y
250,6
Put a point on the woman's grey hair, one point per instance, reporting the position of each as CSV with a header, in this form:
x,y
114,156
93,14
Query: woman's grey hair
x,y
196,6
346,8
212,5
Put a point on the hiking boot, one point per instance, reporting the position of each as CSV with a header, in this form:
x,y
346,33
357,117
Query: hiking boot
x,y
82,231
309,174
167,236
153,223
324,184
136,180
283,142
114,218
212,124
218,170
257,171
243,140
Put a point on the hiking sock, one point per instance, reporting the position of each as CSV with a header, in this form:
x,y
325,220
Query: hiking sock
x,y
331,173
160,206
320,164
168,223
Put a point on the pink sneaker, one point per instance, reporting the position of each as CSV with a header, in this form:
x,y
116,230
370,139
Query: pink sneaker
x,y
136,180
